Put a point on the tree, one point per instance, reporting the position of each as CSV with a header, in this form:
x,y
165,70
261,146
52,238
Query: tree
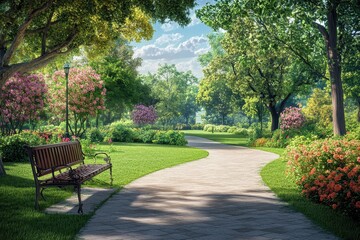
x,y
86,97
215,95
21,101
170,88
124,87
292,24
318,108
35,32
258,69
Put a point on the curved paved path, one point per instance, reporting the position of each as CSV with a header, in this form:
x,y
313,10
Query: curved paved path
x,y
215,198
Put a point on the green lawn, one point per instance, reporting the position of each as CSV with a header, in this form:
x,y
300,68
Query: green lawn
x,y
18,219
273,174
226,138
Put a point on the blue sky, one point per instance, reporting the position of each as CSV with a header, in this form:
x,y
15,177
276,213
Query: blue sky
x,y
173,44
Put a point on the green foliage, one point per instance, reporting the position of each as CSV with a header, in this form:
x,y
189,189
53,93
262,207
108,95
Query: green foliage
x,y
54,29
123,85
144,135
354,134
174,93
120,133
12,147
94,135
170,137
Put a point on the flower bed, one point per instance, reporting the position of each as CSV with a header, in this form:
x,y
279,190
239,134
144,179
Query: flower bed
x,y
328,172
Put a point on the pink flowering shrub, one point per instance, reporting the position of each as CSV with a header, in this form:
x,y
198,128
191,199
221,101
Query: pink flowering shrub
x,y
86,97
21,100
144,115
328,172
291,118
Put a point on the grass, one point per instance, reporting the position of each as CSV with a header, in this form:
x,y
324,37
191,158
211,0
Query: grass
x,y
19,220
225,138
273,174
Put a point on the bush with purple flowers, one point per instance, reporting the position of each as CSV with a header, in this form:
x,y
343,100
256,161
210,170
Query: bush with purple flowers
x,y
291,118
142,115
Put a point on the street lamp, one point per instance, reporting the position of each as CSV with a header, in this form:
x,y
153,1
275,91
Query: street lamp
x,y
261,113
66,70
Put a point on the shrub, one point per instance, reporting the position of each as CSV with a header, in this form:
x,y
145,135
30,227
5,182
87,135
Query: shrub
x,y
328,172
144,135
209,128
221,128
94,135
170,137
241,132
291,118
197,126
21,101
120,133
142,115
260,142
354,134
11,147
232,129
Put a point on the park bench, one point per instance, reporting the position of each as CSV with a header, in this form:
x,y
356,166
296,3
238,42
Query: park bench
x,y
62,164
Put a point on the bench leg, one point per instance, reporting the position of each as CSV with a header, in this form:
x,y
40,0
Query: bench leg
x,y
111,177
41,193
78,188
37,194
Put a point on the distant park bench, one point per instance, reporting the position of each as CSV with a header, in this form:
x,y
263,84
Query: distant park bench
x,y
62,164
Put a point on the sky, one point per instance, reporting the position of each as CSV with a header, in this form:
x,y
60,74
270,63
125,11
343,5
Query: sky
x,y
177,45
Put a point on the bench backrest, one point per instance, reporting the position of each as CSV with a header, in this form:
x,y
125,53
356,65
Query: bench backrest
x,y
53,157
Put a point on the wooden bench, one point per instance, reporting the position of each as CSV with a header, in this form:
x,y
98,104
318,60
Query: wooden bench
x,y
62,164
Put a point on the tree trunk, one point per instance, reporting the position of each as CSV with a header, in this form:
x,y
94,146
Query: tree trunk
x,y
335,75
2,169
274,118
333,57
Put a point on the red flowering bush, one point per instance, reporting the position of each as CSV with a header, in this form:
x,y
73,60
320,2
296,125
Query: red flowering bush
x,y
291,118
328,172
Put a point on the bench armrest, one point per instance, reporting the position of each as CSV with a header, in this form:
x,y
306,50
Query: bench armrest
x,y
107,158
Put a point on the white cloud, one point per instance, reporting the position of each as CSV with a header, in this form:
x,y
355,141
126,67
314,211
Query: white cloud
x,y
187,49
183,65
169,26
194,20
168,38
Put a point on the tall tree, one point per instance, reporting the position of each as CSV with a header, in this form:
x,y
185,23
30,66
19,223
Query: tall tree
x,y
34,32
171,88
258,68
215,95
299,26
124,86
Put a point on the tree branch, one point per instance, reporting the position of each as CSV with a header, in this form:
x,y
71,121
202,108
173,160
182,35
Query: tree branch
x,y
21,33
45,32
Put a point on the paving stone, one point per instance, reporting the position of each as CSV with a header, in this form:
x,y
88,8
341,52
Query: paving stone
x,y
90,197
219,197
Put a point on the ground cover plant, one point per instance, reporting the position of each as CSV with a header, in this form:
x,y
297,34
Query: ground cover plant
x,y
19,220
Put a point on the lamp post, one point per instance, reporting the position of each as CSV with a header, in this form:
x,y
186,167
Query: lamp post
x,y
261,113
66,70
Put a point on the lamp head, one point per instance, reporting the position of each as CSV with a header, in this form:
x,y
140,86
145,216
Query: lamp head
x,y
66,68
